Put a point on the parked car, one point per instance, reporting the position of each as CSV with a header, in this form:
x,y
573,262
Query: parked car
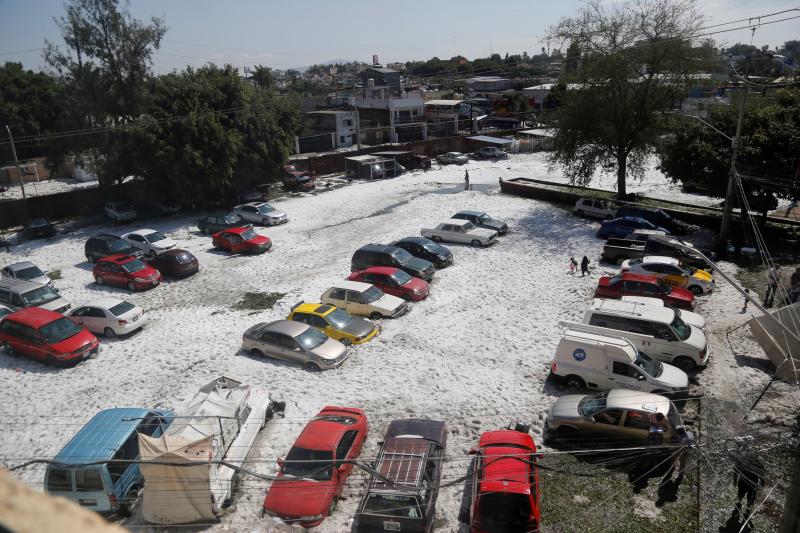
x,y
294,342
126,271
489,152
315,470
621,227
482,220
410,462
618,417
120,211
606,360
505,489
46,336
460,231
669,270
295,179
261,213
393,281
219,221
26,270
616,251
149,241
106,244
452,158
4,312
666,245
109,317
371,255
241,240
594,207
643,234
20,294
427,249
334,322
364,299
38,228
176,263
693,319
97,469
409,160
657,217
632,284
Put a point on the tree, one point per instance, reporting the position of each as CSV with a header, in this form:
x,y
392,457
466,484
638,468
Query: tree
x,y
636,61
262,77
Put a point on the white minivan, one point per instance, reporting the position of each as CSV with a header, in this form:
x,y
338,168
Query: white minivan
x,y
657,331
591,357
693,319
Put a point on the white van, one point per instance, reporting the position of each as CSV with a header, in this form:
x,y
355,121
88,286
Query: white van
x,y
693,319
602,361
657,331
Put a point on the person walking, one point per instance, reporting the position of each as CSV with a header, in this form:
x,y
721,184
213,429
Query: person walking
x,y
584,266
748,475
466,180
573,265
773,278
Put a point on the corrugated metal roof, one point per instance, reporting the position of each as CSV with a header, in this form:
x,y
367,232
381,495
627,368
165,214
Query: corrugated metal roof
x,y
443,102
492,140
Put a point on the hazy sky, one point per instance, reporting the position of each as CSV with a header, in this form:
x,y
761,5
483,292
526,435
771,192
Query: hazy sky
x,y
284,33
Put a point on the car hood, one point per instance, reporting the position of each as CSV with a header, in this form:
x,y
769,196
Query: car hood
x,y
388,303
55,304
693,319
146,272
74,343
567,406
274,214
295,498
330,349
418,264
494,223
672,376
482,232
165,243
416,285
359,327
258,241
44,280
697,339
702,275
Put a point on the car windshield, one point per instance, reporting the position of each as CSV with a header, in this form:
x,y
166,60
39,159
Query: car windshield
x,y
184,258
265,208
373,294
133,266
589,405
231,219
249,234
40,296
432,247
402,256
311,338
634,262
504,511
392,505
29,272
118,246
339,318
121,308
311,464
155,237
683,329
59,330
484,218
401,277
650,366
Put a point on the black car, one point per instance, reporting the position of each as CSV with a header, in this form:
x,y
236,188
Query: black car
x,y
657,217
371,255
218,222
38,228
482,220
106,244
426,249
176,263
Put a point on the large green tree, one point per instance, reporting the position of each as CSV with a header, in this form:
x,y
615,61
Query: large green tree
x,y
636,60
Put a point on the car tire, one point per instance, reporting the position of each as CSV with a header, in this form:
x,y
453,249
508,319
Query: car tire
x,y
255,352
51,361
131,286
436,238
264,222
475,243
580,213
346,342
128,504
109,333
99,280
375,315
312,367
686,364
697,291
574,382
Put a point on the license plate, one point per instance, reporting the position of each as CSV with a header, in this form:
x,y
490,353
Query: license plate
x,y
84,501
391,526
135,318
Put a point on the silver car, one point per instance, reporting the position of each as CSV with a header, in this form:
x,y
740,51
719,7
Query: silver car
x,y
450,158
619,415
296,342
261,213
27,271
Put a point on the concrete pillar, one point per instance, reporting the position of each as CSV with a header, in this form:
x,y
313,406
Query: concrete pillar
x,y
424,131
334,141
296,144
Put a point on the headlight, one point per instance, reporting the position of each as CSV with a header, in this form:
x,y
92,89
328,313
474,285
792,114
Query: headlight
x,y
139,280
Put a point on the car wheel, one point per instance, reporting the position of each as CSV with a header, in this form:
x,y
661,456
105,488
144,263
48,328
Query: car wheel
x,y
99,280
686,364
128,504
152,254
109,333
375,315
131,286
475,242
436,238
264,222
580,212
575,382
346,342
697,291
312,367
255,352
51,361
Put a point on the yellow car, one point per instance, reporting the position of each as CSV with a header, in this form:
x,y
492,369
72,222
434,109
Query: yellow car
x,y
670,271
334,322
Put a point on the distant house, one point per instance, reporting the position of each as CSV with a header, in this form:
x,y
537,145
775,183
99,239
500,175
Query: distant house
x,y
328,130
382,77
487,84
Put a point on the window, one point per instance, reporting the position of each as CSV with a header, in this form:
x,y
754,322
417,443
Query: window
x,y
345,444
268,337
342,139
317,321
337,294
59,480
355,297
660,331
127,452
137,238
610,417
88,480
10,328
151,425
286,342
623,369
16,299
637,420
94,312
5,296
302,317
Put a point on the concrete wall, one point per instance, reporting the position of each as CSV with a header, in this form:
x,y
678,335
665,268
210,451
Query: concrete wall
x,y
780,347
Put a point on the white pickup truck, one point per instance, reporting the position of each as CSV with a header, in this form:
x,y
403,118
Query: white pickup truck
x,y
463,231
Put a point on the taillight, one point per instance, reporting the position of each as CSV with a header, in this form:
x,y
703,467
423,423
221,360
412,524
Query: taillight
x,y
702,354
122,322
113,500
553,366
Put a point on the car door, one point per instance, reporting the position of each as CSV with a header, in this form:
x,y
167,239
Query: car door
x,y
269,343
345,450
625,376
291,349
77,316
607,422
636,425
137,241
355,304
117,274
94,319
321,324
34,343
664,344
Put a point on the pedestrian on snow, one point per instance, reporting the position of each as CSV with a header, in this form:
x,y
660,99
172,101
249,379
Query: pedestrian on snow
x,y
748,475
584,266
744,308
466,179
773,278
573,265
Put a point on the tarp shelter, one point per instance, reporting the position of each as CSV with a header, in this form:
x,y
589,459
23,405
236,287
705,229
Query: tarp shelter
x,y
370,167
781,348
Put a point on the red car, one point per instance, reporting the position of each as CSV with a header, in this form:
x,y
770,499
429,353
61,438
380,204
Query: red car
x,y
126,271
393,281
632,284
47,336
241,240
313,475
505,484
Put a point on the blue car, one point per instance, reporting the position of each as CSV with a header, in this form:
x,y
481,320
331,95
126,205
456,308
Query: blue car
x,y
94,468
621,227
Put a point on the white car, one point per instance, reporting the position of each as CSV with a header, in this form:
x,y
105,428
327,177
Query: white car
x,y
463,231
27,271
109,317
120,211
364,299
149,241
261,213
456,158
594,207
693,319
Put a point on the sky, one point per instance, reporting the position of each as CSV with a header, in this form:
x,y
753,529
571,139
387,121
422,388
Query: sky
x,y
292,34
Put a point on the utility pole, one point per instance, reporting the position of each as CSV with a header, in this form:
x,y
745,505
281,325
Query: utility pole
x,y
16,161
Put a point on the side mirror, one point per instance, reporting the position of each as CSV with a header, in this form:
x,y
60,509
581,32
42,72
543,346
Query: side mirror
x,y
641,377
473,451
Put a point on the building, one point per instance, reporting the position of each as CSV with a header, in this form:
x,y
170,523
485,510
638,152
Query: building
x,y
387,116
487,84
382,77
538,93
399,67
328,130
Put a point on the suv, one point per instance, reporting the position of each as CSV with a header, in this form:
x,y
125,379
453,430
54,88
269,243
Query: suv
x,y
47,336
20,294
106,244
410,465
371,255
657,217
489,152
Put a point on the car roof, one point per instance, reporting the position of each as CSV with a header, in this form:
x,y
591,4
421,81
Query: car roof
x,y
20,265
315,308
627,308
287,327
34,317
142,231
176,252
387,271
20,284
106,236
402,461
104,303
432,430
236,230
662,259
417,240
117,258
634,276
504,473
103,435
457,222
352,285
644,401
374,247
597,338
471,212
322,434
